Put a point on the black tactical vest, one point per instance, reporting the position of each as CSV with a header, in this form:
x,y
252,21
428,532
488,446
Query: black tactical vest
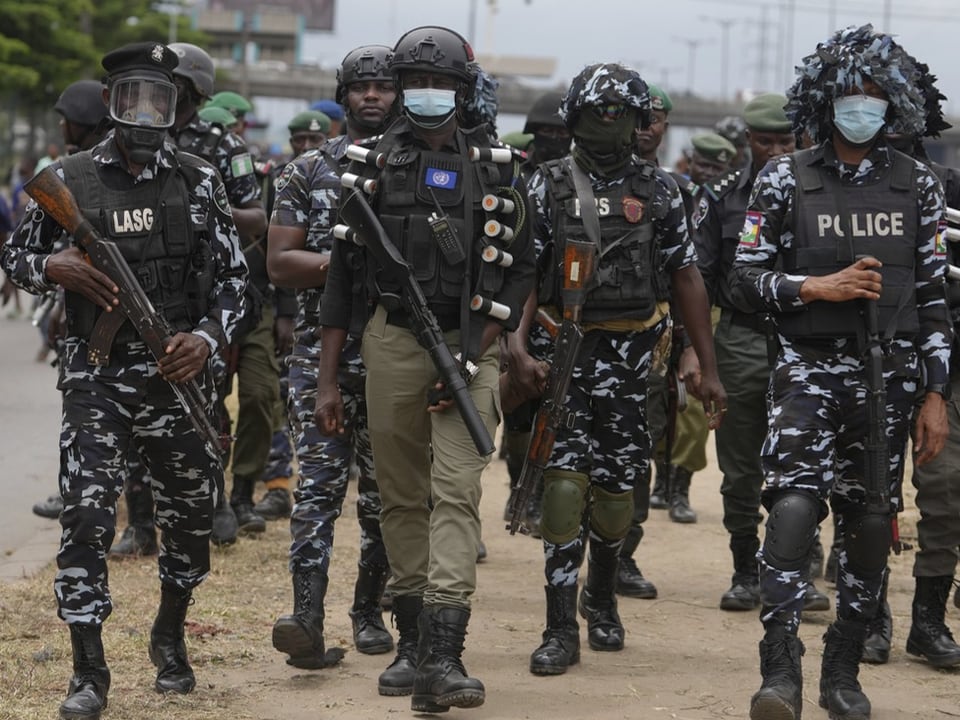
x,y
201,139
834,224
628,278
154,234
413,183
733,204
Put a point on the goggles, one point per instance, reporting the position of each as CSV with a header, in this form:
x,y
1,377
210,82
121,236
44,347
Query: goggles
x,y
144,103
610,111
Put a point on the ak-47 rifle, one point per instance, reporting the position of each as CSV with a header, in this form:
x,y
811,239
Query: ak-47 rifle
x,y
55,198
877,448
369,232
676,403
578,265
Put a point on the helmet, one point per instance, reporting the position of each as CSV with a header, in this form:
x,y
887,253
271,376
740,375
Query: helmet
x,y
234,102
367,62
545,111
82,103
195,65
604,83
733,128
434,49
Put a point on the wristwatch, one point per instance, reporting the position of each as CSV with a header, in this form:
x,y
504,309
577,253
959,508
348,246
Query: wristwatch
x,y
941,389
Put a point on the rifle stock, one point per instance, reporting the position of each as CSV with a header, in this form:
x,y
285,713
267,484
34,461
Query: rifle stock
x,y
55,198
357,213
578,266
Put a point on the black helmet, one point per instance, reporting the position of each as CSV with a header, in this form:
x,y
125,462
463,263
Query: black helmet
x,y
195,65
545,111
367,62
434,49
82,103
605,83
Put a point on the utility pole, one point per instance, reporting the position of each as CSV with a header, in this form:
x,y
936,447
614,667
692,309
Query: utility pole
x,y
724,24
692,45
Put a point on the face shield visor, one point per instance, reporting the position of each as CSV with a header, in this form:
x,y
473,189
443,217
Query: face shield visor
x,y
146,103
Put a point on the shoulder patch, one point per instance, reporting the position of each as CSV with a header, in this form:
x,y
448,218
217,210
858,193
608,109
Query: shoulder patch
x,y
700,211
284,178
750,235
220,200
940,247
241,164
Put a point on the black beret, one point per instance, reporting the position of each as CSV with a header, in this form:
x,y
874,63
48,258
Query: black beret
x,y
141,57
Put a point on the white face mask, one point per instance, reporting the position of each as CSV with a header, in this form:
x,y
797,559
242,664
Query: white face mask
x,y
859,118
430,102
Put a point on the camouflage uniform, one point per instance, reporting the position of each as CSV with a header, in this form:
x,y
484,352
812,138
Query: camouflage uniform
x,y
105,409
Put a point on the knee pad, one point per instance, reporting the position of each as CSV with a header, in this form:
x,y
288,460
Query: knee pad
x,y
611,513
564,499
866,540
791,530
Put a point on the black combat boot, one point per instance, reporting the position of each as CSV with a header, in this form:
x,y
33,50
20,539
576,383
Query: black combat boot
x,y
660,494
680,510
87,693
598,603
780,696
876,646
840,691
370,635
744,592
561,640
224,523
49,508
140,536
813,599
630,581
441,681
930,638
300,635
241,499
168,652
397,679
275,505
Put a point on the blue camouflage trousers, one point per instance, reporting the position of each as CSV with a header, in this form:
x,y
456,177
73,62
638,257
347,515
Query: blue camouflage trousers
x,y
815,445
324,462
607,440
95,439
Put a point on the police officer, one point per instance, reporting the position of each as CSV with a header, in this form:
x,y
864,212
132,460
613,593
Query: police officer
x,y
333,110
299,244
234,103
268,326
741,344
135,173
424,452
601,453
828,230
734,130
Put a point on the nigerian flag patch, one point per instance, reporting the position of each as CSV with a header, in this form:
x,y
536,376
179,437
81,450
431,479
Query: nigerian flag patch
x,y
241,164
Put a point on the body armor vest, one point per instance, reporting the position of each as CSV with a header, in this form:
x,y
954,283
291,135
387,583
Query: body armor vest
x,y
733,203
628,281
835,224
415,187
201,141
154,234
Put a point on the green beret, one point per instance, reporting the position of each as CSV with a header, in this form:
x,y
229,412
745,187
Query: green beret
x,y
217,116
518,140
309,121
765,114
659,100
236,104
714,147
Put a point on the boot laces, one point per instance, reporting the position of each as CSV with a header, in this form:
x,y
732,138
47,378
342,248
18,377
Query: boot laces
x,y
447,642
781,657
845,655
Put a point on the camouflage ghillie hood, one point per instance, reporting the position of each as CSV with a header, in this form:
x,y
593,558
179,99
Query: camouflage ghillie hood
x,y
483,103
842,63
933,111
601,84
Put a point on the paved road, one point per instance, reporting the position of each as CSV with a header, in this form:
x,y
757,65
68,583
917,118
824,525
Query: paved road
x,y
29,427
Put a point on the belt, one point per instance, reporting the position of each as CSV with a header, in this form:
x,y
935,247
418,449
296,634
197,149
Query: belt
x,y
446,321
754,321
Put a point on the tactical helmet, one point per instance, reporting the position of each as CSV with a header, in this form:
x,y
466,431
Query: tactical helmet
x,y
367,62
545,111
82,103
195,65
733,128
604,83
434,49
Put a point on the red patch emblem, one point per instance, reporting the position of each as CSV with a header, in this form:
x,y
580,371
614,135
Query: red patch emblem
x,y
633,209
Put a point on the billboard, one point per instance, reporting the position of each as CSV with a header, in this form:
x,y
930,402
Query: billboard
x,y
316,14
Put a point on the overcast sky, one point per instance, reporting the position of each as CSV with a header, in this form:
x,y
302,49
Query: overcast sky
x,y
765,38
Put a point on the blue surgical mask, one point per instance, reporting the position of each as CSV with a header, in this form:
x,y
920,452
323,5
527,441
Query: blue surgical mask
x,y
859,117
430,102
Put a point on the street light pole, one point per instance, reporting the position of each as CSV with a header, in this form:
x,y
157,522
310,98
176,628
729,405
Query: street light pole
x,y
724,24
692,45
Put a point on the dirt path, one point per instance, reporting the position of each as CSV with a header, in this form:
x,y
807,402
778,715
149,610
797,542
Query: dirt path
x,y
684,658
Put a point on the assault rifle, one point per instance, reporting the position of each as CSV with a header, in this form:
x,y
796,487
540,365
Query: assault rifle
x,y
877,448
369,232
55,198
676,403
578,265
